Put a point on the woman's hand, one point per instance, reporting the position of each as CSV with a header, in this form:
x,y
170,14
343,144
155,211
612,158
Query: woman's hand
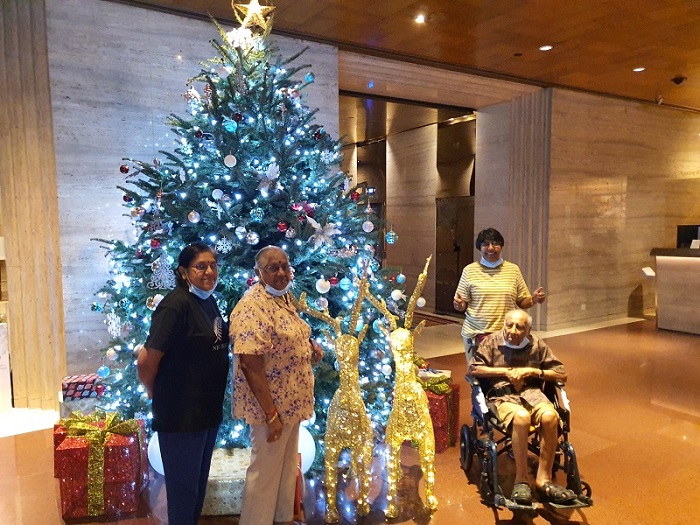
x,y
316,352
274,427
458,303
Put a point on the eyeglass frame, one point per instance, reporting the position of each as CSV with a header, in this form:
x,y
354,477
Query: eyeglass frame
x,y
206,266
286,267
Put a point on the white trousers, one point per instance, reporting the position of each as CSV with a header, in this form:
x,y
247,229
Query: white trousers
x,y
270,481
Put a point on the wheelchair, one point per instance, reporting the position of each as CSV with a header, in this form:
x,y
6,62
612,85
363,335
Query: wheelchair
x,y
487,439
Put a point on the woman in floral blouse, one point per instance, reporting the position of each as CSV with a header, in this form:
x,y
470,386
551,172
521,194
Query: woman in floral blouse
x,y
273,387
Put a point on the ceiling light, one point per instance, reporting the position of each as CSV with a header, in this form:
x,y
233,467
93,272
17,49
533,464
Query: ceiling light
x,y
420,19
638,69
546,48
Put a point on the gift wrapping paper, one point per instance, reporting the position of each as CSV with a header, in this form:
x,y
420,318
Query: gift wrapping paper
x,y
226,481
444,413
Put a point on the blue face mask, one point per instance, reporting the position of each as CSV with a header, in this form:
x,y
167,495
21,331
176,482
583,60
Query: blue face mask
x,y
202,294
489,264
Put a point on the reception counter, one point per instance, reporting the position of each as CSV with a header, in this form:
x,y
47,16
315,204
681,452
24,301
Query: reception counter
x,y
678,289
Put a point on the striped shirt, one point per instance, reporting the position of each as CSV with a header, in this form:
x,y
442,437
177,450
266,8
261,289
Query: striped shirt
x,y
490,294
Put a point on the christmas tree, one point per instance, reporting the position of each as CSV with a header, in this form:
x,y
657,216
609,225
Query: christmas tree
x,y
251,168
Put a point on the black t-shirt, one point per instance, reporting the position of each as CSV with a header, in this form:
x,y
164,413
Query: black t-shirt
x,y
188,390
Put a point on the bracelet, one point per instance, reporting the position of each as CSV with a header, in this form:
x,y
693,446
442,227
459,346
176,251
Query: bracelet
x,y
541,375
273,415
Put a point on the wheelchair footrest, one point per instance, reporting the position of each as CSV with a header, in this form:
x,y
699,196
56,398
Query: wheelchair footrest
x,y
578,503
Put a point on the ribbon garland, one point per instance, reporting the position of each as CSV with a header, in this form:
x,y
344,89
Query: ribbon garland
x,y
87,426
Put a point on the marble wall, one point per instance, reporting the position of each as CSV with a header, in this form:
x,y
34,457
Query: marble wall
x,y
114,82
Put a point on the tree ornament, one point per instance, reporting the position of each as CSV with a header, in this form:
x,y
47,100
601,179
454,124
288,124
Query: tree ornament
x,y
241,232
322,303
230,125
199,134
111,354
230,161
318,135
391,237
345,284
252,238
150,304
224,245
155,244
400,278
237,117
224,72
334,281
163,278
420,302
103,371
367,226
355,196
251,281
322,286
290,233
124,168
386,370
217,194
309,77
127,198
137,212
257,214
139,253
397,295
322,235
194,217
282,226
114,324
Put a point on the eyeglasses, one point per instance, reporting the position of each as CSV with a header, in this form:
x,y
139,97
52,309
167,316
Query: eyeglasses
x,y
202,266
274,268
495,244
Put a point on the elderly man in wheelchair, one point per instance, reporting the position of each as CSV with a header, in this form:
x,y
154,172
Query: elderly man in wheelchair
x,y
509,375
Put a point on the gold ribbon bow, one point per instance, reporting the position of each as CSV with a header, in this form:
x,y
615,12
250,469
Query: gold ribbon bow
x,y
86,426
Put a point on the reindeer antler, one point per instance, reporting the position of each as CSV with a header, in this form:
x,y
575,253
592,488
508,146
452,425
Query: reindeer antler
x,y
408,321
323,316
381,306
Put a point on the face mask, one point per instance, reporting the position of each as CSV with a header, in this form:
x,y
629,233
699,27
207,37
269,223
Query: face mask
x,y
523,344
489,264
274,291
202,294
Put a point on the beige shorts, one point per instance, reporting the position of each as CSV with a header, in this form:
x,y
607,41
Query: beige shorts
x,y
506,412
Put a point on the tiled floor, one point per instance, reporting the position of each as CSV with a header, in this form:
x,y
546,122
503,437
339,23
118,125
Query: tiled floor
x,y
636,429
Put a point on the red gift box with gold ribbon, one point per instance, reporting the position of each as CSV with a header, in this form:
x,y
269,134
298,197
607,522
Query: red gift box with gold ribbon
x,y
101,462
444,413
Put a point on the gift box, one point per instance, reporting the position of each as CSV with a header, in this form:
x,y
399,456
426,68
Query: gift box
x,y
81,387
101,464
226,480
444,413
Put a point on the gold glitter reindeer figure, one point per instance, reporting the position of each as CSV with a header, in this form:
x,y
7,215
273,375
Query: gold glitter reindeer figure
x,y
409,418
348,425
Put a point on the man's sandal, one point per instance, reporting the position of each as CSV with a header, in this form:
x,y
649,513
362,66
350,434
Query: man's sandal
x,y
521,494
554,493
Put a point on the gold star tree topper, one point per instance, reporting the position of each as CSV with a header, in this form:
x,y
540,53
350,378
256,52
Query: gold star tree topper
x,y
253,14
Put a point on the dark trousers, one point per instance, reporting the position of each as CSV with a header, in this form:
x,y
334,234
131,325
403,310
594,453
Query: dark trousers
x,y
186,460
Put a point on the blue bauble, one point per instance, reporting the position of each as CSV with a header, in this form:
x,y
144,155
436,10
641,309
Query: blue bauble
x,y
345,284
230,125
401,278
310,77
377,326
103,371
257,214
391,237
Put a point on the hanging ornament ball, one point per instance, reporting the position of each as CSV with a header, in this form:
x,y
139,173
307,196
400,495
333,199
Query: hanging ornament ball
x,y
139,253
377,326
155,244
322,303
282,226
137,212
307,449
334,281
241,232
355,196
252,238
150,303
231,126
124,168
290,233
257,214
251,281
230,161
103,371
127,198
396,295
193,217
318,135
310,77
322,286
237,117
386,370
420,302
224,72
217,194
111,354
367,226
154,457
401,278
198,134
345,284
391,237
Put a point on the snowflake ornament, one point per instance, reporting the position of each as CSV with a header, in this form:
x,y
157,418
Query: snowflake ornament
x,y
114,324
327,157
224,245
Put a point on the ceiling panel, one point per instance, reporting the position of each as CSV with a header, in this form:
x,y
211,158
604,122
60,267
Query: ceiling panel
x,y
597,43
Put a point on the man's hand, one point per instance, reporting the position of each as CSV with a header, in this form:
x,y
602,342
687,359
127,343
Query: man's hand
x,y
458,303
517,376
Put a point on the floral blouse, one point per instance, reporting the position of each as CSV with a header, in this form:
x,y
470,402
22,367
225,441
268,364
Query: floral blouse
x,y
262,324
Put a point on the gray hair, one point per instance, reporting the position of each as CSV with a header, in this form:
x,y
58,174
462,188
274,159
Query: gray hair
x,y
528,317
262,254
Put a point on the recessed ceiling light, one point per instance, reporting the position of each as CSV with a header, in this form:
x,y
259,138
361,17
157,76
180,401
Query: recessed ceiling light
x,y
638,69
546,48
420,19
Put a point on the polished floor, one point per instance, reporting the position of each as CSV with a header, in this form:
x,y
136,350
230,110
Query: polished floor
x,y
635,398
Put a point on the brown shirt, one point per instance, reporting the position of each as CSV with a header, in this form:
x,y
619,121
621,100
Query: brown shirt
x,y
494,353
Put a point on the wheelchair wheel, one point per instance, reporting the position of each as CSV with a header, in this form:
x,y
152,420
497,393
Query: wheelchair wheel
x,y
466,448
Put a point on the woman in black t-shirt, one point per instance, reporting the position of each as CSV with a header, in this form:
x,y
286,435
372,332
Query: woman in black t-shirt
x,y
184,367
